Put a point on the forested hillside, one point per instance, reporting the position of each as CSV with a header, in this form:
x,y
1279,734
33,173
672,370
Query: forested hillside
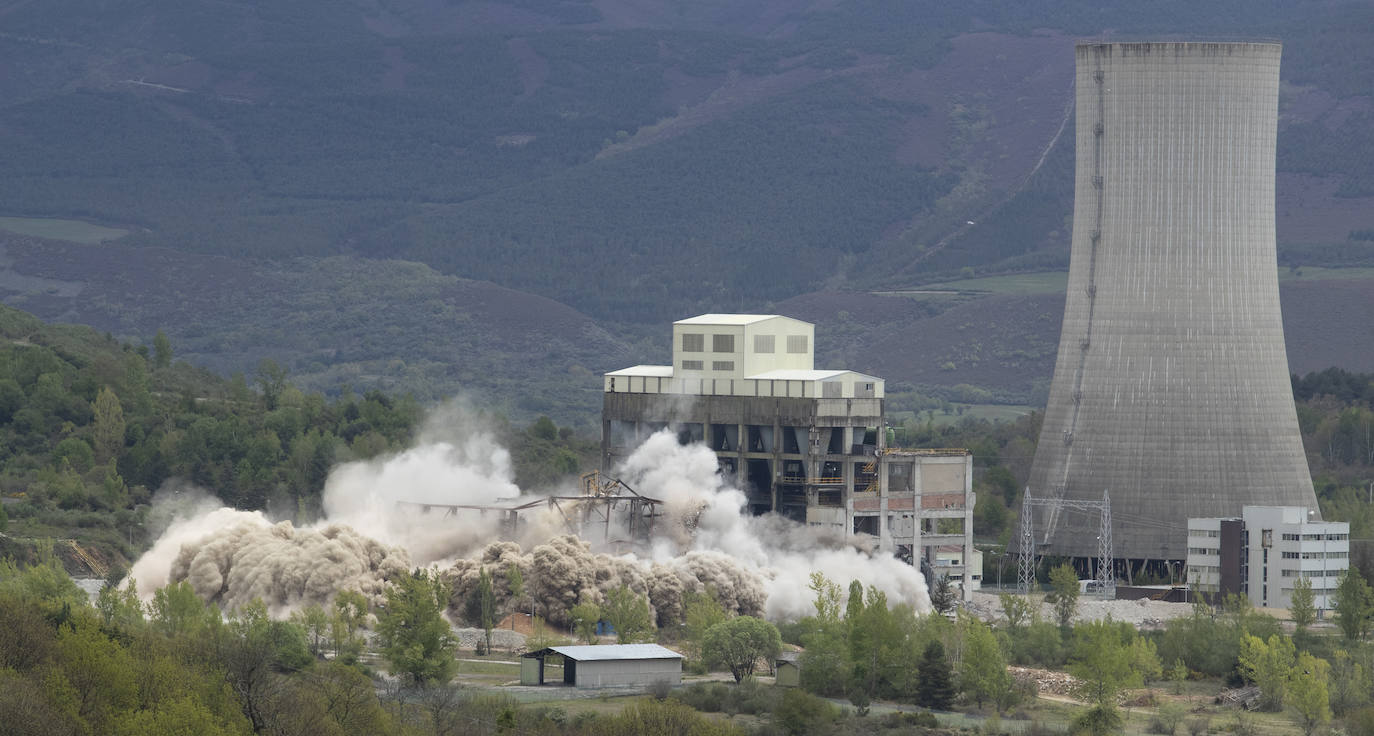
x,y
90,428
634,161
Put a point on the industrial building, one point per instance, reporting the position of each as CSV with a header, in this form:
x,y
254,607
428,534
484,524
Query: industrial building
x,y
1264,551
606,665
1170,391
804,443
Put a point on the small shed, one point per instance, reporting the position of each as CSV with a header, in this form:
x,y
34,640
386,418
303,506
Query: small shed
x,y
607,665
788,669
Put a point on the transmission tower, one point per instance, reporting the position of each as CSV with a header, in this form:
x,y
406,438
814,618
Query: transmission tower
x,y
1026,562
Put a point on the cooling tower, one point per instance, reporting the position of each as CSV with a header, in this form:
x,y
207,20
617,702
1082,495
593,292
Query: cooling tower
x,y
1171,388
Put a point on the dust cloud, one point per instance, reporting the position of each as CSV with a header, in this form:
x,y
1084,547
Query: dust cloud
x,y
377,526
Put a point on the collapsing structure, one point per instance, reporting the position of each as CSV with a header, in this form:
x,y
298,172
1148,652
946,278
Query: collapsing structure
x,y
807,444
607,511
1171,389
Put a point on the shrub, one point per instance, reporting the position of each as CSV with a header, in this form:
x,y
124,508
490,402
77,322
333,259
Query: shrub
x,y
1360,722
1098,720
660,689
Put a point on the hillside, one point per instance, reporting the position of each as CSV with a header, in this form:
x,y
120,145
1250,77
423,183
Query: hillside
x,y
326,182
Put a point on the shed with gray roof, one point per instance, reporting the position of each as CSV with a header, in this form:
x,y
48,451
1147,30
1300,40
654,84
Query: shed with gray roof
x,y
606,665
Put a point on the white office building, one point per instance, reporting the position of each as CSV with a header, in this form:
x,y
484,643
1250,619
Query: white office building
x,y
1265,551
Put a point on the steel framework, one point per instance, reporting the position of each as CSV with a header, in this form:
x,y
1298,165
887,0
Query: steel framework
x,y
1026,560
603,498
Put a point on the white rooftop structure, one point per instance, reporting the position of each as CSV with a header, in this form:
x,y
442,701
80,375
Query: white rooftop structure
x,y
759,355
603,652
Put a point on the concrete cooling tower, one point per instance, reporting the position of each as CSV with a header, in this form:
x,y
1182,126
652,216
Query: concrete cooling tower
x,y
1171,389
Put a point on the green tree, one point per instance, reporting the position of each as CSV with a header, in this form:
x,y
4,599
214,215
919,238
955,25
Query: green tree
x,y
1307,692
700,612
271,379
348,616
1268,664
801,713
1016,609
1099,720
827,600
1301,605
1104,661
119,605
1063,594
878,647
1145,660
942,596
825,665
515,585
485,605
98,670
315,622
12,399
1351,683
415,639
1178,674
585,616
935,689
255,654
107,425
162,350
628,613
739,643
1354,605
983,672
75,452
176,610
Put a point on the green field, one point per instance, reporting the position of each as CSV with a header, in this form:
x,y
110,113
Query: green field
x,y
1055,282
990,412
73,231
1317,273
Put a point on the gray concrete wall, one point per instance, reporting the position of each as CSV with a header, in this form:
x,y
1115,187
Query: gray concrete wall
x,y
1171,387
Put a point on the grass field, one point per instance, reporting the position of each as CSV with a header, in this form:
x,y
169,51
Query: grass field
x,y
990,412
1055,282
1315,273
72,231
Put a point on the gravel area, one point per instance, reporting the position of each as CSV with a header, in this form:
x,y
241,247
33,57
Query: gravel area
x,y
501,639
1143,613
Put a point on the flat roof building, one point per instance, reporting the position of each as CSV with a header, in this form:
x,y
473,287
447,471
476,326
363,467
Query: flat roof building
x,y
804,443
1264,551
606,665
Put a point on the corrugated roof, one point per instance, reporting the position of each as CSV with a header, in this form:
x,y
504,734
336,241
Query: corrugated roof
x,y
601,652
726,319
650,371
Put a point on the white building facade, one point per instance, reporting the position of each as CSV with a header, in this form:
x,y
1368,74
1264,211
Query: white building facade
x,y
1265,551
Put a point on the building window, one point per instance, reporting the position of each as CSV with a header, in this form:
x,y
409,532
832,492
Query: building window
x,y
693,342
691,365
723,365
796,344
723,343
763,343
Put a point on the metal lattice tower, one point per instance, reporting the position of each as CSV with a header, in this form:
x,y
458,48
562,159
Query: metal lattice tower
x,y
1026,560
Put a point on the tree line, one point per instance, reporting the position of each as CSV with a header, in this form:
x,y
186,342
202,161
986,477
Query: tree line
x,y
91,427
